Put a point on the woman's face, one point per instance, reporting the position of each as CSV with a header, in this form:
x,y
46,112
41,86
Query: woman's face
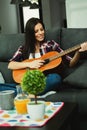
x,y
39,32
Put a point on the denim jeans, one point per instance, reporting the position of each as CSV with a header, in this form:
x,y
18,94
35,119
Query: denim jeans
x,y
52,83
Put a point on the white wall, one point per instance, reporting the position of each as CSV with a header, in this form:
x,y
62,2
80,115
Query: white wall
x,y
76,13
8,17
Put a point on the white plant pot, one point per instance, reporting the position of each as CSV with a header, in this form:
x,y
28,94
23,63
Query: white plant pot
x,y
36,111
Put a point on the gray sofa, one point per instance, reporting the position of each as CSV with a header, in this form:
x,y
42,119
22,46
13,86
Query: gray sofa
x,y
74,84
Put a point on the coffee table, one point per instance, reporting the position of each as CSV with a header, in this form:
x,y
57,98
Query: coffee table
x,y
67,118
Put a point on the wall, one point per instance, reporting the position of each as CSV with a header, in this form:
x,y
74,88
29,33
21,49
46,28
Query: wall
x,y
76,13
8,17
53,13
52,10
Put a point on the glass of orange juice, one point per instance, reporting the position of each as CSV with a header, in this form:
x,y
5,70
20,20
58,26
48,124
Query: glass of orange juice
x,y
21,105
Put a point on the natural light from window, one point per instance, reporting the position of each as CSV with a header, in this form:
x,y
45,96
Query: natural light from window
x,y
29,13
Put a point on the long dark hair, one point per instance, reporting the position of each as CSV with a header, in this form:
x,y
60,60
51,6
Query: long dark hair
x,y
29,46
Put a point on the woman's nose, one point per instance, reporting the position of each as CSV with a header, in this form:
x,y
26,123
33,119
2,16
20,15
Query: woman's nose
x,y
40,32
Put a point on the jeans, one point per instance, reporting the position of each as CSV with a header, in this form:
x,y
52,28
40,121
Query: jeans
x,y
52,83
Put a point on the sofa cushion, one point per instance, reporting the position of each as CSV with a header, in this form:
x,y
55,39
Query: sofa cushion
x,y
7,73
78,78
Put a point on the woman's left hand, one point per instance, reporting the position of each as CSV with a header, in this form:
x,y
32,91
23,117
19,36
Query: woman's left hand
x,y
83,47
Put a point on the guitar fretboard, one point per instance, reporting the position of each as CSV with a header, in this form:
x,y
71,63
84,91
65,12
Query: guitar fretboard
x,y
67,51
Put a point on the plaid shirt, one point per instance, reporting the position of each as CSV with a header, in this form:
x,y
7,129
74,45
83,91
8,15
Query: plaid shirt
x,y
44,48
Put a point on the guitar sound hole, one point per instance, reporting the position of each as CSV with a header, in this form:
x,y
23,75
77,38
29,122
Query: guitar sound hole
x,y
46,61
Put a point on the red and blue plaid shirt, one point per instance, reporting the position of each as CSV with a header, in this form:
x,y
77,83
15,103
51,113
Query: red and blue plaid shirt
x,y
44,48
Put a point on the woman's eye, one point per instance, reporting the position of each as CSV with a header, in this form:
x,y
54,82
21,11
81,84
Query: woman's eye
x,y
36,31
42,29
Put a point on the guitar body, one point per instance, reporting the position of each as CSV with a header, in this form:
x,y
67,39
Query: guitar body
x,y
18,74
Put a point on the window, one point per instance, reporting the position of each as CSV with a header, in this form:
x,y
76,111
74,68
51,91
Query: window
x,y
27,13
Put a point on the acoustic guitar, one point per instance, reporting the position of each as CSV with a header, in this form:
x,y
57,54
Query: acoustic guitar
x,y
52,60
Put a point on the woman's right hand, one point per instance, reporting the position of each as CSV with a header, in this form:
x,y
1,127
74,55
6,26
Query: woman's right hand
x,y
35,64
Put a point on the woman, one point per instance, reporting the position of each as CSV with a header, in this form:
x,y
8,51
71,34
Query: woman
x,y
35,46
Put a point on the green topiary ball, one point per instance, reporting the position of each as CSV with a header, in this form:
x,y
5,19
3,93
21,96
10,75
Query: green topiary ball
x,y
33,82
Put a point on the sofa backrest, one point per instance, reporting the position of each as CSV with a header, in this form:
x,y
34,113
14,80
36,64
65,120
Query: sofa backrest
x,y
73,36
54,34
9,44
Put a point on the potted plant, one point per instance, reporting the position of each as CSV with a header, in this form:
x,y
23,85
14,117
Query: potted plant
x,y
34,82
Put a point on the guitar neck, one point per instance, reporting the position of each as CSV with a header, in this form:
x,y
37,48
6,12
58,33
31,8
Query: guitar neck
x,y
70,50
67,51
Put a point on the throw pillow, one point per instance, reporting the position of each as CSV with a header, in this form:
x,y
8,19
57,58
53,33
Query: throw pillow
x,y
1,78
78,78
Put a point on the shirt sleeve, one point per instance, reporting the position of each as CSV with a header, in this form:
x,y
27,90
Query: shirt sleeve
x,y
18,55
